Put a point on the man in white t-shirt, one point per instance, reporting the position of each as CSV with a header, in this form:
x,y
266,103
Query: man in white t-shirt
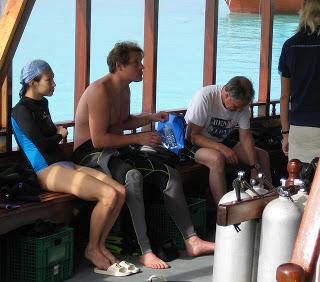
x,y
212,114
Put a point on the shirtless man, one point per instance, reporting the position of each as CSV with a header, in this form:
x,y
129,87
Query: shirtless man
x,y
102,115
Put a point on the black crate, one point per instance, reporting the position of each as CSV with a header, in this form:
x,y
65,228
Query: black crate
x,y
161,227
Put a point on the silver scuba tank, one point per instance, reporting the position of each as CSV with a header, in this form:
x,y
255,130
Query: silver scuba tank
x,y
234,248
280,224
301,197
258,185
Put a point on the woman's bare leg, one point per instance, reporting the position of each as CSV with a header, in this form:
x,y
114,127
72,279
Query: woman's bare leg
x,y
120,188
60,179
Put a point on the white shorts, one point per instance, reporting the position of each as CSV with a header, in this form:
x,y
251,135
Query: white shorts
x,y
304,143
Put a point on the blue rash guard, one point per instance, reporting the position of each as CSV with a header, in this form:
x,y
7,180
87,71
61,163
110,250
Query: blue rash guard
x,y
35,133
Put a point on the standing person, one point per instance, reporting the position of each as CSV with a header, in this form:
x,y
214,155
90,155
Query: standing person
x,y
299,66
102,115
212,114
39,140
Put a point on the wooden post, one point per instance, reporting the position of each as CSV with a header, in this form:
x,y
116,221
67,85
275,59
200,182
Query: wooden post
x,y
307,246
210,42
290,272
82,52
265,55
150,56
5,121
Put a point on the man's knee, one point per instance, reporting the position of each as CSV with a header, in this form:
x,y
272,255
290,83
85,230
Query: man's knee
x,y
174,180
134,182
215,161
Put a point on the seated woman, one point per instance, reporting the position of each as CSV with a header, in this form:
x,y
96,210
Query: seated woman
x,y
38,138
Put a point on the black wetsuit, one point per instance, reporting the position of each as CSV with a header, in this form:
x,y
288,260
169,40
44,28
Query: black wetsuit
x,y
129,167
35,133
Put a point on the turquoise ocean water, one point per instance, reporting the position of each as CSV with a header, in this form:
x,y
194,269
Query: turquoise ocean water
x,y
50,35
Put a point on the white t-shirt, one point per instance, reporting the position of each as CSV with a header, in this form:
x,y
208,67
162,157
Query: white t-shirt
x,y
207,110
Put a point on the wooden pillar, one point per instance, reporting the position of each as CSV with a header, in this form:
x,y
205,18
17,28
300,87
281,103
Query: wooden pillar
x,y
307,247
82,49
210,42
5,121
265,54
150,55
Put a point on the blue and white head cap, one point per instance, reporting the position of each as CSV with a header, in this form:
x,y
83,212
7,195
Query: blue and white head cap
x,y
30,71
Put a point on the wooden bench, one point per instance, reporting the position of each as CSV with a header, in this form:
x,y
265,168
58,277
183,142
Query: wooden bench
x,y
54,207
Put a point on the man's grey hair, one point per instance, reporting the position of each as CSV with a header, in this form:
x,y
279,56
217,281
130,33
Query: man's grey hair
x,y
240,88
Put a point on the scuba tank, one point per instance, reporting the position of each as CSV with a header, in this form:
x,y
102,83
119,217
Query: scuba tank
x,y
234,247
258,185
301,197
280,224
306,177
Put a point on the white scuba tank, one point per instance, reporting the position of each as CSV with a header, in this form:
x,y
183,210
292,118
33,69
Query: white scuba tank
x,y
280,224
301,197
234,250
258,186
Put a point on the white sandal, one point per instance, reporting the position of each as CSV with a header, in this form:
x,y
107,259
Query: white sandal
x,y
129,266
113,270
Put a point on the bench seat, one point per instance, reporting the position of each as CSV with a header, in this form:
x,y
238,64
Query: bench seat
x,y
56,207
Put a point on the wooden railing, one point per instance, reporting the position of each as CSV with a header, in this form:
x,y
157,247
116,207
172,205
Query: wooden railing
x,y
254,107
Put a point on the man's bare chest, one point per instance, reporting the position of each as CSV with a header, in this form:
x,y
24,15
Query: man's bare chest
x,y
118,113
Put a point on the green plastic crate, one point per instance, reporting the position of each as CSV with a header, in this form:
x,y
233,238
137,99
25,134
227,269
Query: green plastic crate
x,y
46,259
161,227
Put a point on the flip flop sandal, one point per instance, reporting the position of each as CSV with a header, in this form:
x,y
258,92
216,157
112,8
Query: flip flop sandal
x,y
113,270
155,278
129,266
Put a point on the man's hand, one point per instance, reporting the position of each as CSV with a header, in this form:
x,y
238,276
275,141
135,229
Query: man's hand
x,y
149,138
160,116
61,130
229,154
285,144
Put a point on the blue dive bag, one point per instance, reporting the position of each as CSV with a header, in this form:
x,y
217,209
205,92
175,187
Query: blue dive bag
x,y
173,132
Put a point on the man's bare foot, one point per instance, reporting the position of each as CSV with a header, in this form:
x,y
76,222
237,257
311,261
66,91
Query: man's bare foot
x,y
197,247
152,261
108,255
97,258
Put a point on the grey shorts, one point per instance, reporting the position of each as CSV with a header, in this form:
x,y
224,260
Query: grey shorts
x,y
230,143
64,164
